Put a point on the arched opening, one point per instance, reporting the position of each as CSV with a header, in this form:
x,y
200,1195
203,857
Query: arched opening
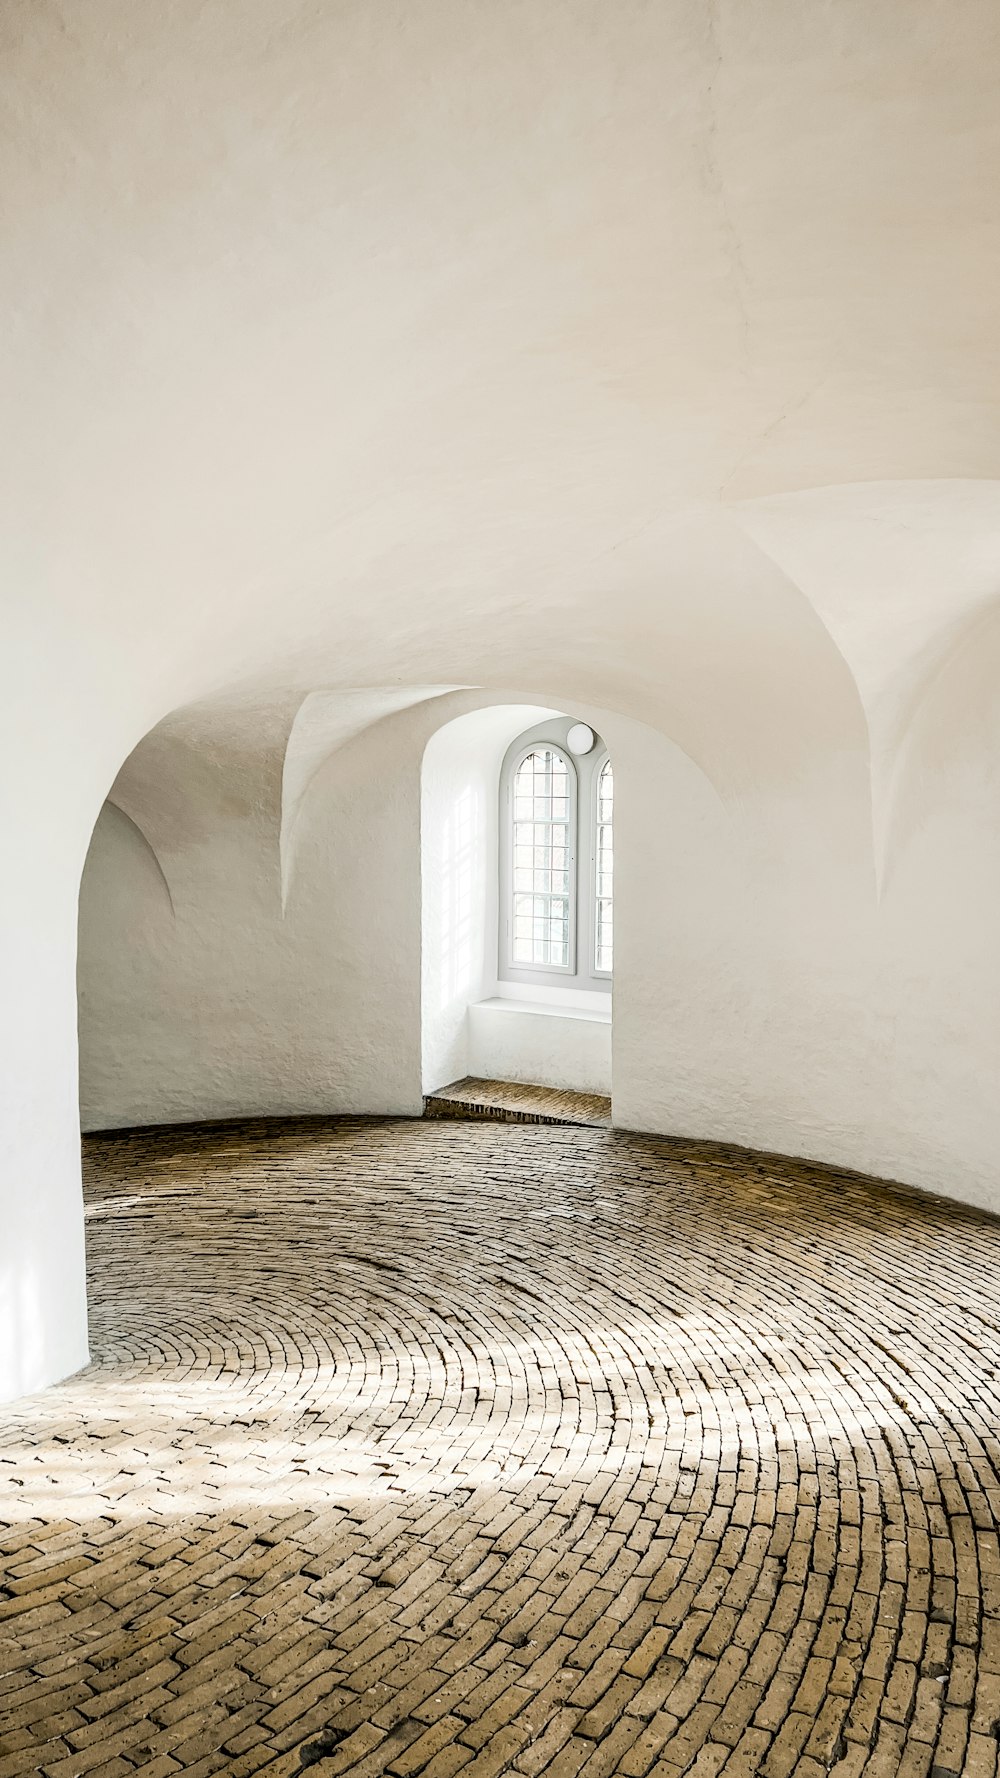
x,y
249,939
516,822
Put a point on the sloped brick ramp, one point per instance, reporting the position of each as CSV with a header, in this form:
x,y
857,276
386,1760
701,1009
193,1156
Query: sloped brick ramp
x,y
510,1102
424,1448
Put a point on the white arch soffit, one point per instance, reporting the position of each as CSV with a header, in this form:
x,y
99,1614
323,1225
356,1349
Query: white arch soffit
x,y
490,708
496,718
324,722
902,575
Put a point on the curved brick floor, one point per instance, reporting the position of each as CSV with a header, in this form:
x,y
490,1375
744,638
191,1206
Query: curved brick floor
x,y
421,1448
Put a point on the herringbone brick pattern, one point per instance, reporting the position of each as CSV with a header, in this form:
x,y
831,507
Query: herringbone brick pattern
x,y
427,1448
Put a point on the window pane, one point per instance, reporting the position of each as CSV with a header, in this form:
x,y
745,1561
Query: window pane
x,y
541,861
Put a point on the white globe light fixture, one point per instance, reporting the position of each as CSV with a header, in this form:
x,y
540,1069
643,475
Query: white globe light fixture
x,y
580,738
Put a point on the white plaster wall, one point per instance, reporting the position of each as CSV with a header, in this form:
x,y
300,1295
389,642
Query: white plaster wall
x,y
56,759
507,1041
764,992
228,998
459,830
43,1320
640,359
234,962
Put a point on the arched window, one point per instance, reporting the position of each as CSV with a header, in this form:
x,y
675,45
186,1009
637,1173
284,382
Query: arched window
x,y
556,796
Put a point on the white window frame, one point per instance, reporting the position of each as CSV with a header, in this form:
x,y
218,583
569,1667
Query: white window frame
x,y
584,776
603,759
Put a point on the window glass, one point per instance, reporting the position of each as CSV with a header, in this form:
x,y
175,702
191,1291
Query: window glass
x,y
542,861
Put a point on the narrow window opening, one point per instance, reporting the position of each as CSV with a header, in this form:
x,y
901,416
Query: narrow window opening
x,y
605,863
557,859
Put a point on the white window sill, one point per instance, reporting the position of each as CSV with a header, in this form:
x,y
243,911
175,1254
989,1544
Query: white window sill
x,y
558,1003
553,994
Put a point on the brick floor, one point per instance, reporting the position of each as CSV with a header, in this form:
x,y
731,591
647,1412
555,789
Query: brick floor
x,y
426,1448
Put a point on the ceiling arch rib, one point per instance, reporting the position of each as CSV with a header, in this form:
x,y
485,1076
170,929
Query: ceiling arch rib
x,y
145,849
900,573
324,722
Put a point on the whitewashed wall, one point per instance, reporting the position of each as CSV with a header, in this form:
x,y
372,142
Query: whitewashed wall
x,y
636,361
767,990
238,998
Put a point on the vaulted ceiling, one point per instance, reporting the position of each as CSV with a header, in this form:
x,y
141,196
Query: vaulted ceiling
x,y
639,353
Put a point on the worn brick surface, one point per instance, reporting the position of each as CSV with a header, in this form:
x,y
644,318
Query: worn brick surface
x,y
430,1448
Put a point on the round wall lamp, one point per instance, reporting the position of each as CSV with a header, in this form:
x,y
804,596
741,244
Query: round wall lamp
x,y
580,738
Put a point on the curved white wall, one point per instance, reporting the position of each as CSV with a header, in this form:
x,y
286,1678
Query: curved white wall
x,y
250,994
639,359
766,990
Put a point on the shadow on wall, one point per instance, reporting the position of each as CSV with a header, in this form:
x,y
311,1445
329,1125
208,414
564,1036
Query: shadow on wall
x,y
459,865
462,892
